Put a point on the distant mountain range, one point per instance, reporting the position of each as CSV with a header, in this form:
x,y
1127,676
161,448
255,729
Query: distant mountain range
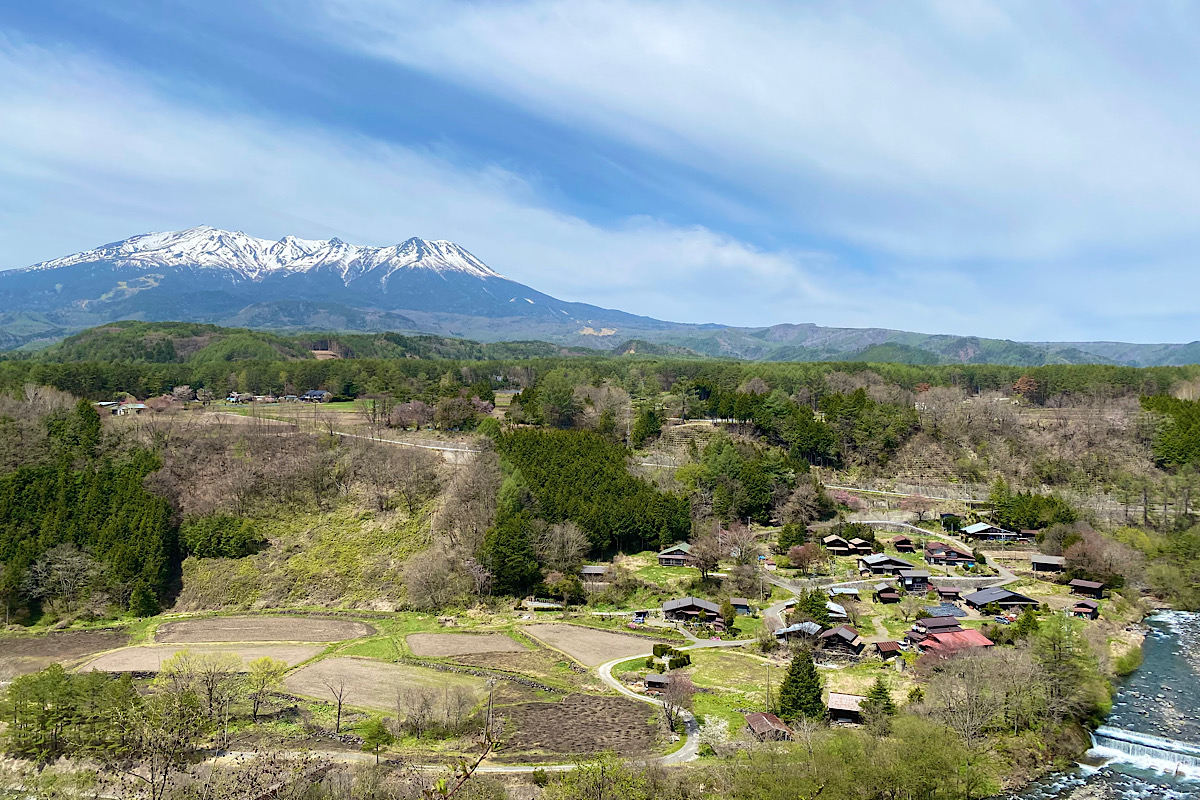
x,y
220,277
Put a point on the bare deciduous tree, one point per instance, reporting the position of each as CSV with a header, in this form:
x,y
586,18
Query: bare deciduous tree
x,y
561,547
336,685
677,697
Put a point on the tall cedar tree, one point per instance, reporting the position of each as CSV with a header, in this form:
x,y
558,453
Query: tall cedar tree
x,y
800,694
879,699
508,554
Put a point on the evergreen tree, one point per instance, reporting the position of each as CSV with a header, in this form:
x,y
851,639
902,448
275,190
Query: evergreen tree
x,y
508,554
800,694
728,615
879,699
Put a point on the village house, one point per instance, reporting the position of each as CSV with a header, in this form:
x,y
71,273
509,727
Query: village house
x,y
843,591
889,650
130,408
903,544
316,396
945,555
882,564
1000,596
952,642
767,727
929,625
1093,589
593,572
915,580
842,639
886,593
677,555
741,606
799,631
1085,609
837,612
686,609
1041,563
656,682
836,545
861,547
845,708
989,532
948,594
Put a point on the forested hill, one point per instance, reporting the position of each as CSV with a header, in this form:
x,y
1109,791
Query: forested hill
x,y
194,343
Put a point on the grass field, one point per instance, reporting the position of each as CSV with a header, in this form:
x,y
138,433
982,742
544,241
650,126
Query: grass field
x,y
150,659
373,684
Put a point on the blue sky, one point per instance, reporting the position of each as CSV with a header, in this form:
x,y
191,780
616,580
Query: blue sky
x,y
1025,170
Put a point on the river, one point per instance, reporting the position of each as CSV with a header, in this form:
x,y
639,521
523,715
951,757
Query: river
x,y
1149,747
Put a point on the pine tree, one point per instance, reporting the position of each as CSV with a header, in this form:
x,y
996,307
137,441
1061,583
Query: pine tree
x,y
800,694
879,699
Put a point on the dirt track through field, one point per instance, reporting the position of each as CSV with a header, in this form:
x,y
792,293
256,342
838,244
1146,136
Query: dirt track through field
x,y
461,644
589,646
261,628
372,684
148,658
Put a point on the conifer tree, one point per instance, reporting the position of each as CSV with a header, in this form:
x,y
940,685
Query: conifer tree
x,y
800,694
879,699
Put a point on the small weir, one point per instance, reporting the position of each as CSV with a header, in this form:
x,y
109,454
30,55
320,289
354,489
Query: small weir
x,y
1144,750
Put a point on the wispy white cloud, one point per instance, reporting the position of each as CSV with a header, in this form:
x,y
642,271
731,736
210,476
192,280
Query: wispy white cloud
x,y
944,130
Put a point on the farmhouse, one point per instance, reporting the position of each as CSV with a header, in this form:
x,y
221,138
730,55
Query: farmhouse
x,y
1087,588
130,408
656,682
1000,596
943,554
845,708
741,605
915,580
801,630
903,544
861,546
881,564
953,641
593,572
316,396
989,532
886,593
767,727
689,608
677,555
843,639
836,611
1086,609
842,591
837,545
937,625
948,593
888,650
1041,563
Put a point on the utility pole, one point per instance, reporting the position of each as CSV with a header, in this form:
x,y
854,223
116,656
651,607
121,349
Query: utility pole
x,y
770,708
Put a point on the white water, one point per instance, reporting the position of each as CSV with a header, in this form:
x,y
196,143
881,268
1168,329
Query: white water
x,y
1155,753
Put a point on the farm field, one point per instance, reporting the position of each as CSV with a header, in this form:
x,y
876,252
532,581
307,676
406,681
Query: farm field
x,y
582,724
588,646
372,684
149,658
461,644
20,655
261,628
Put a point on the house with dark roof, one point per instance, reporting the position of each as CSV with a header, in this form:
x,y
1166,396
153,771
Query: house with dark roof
x,y
1002,597
689,608
989,532
1087,588
742,606
316,396
1041,563
929,625
845,708
837,545
904,544
888,650
593,572
948,593
1086,609
946,555
767,727
952,642
656,681
861,546
842,639
915,580
882,564
677,555
885,593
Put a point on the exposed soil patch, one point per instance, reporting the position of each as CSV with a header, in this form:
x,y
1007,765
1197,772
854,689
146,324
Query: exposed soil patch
x,y
149,658
261,629
587,645
372,684
20,655
461,644
581,724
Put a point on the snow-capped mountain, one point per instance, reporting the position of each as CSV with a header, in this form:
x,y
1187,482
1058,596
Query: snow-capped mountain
x,y
205,274
253,258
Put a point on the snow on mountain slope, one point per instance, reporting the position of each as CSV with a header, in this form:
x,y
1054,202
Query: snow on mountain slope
x,y
253,259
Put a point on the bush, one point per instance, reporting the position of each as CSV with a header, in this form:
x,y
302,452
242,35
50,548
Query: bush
x,y
540,777
661,650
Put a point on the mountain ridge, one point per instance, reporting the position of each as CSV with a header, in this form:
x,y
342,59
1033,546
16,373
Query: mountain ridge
x,y
208,275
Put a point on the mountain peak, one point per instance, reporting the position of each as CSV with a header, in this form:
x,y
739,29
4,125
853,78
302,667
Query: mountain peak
x,y
253,259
